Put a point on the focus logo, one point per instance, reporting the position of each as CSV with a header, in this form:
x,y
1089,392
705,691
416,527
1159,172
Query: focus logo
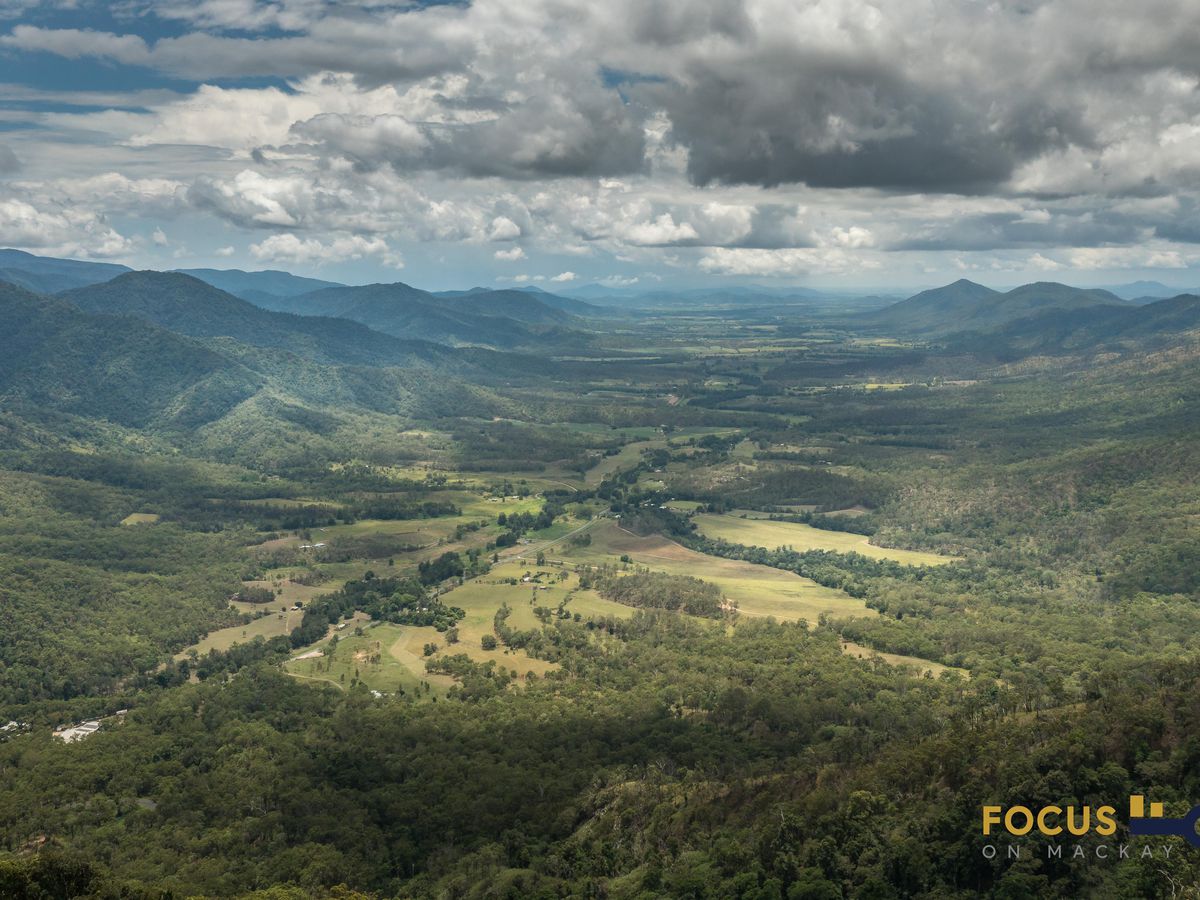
x,y
1052,821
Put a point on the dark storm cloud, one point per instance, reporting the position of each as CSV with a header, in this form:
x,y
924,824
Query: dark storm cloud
x,y
842,122
997,231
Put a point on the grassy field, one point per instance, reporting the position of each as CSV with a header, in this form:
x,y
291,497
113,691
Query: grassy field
x,y
140,519
763,533
379,657
387,656
630,455
922,665
758,590
272,625
281,619
482,597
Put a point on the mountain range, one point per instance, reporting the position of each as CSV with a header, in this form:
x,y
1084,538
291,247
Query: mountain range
x,y
475,317
967,306
174,359
264,284
1045,317
47,275
188,306
505,318
200,351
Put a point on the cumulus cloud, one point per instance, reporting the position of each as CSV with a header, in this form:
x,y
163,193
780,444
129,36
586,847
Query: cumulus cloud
x,y
564,277
1130,258
288,248
664,230
750,137
503,229
909,96
789,262
61,231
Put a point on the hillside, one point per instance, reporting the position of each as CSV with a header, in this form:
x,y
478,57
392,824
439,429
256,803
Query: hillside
x,y
967,306
1133,328
80,373
554,301
269,281
504,319
47,275
189,306
119,369
1142,292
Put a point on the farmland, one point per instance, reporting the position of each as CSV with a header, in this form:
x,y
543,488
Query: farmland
x,y
759,532
757,590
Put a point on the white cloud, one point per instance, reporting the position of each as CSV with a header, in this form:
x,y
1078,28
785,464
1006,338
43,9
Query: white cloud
x,y
786,262
223,251
403,124
564,277
853,237
660,232
1043,263
62,232
619,281
504,229
288,248
1130,258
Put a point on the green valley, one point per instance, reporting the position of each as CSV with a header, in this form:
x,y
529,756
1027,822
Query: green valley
x,y
704,600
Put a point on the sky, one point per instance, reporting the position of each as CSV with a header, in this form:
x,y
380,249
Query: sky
x,y
632,143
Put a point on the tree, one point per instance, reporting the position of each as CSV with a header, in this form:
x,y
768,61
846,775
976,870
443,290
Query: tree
x,y
488,642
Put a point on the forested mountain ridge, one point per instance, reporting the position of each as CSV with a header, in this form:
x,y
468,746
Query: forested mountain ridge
x,y
554,301
967,306
187,305
1089,329
125,370
492,318
499,318
48,275
268,281
134,373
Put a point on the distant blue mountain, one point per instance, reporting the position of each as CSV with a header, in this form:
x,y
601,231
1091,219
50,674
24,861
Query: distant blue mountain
x,y
270,281
47,275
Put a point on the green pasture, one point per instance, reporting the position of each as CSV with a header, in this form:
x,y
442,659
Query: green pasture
x,y
755,532
757,590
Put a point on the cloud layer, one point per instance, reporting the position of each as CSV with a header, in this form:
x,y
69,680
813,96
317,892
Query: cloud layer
x,y
747,138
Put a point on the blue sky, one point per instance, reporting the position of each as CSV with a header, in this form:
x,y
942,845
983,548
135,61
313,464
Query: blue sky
x,y
556,142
